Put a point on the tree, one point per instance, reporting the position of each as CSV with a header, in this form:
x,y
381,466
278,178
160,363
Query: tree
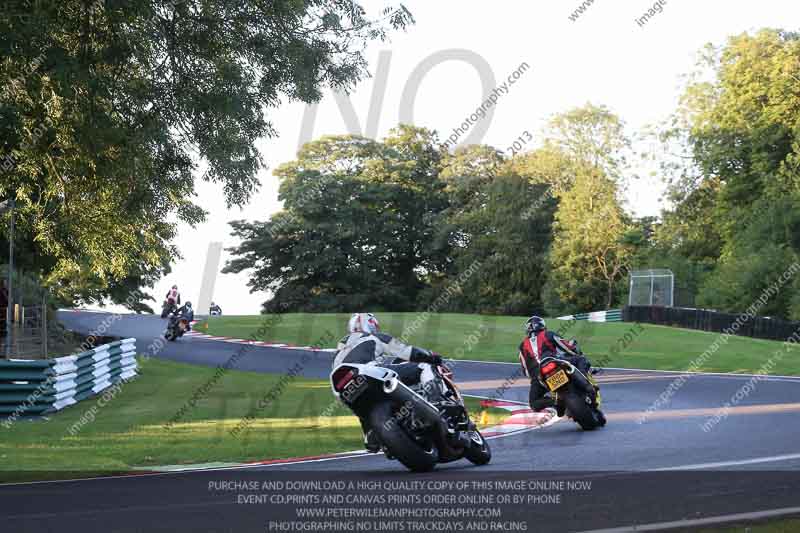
x,y
501,222
357,229
112,107
592,136
741,212
590,253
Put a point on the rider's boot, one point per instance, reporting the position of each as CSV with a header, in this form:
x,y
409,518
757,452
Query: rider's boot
x,y
371,442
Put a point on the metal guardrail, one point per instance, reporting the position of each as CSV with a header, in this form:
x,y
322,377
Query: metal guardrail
x,y
611,315
37,387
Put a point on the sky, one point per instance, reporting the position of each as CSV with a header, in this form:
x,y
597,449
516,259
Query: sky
x,y
604,57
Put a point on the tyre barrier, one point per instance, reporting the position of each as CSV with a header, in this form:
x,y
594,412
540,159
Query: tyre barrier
x,y
611,315
43,386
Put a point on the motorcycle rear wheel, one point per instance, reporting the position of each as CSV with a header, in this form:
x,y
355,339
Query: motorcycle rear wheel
x,y
580,411
398,443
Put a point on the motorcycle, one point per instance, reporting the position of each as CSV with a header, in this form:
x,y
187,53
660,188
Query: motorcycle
x,y
177,326
409,427
168,308
576,394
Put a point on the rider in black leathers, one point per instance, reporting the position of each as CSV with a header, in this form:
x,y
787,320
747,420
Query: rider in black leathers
x,y
185,311
539,342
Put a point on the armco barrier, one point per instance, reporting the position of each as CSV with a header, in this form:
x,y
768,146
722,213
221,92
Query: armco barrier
x,y
612,315
39,387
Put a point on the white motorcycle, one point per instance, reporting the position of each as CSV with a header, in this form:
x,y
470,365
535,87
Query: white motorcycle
x,y
410,428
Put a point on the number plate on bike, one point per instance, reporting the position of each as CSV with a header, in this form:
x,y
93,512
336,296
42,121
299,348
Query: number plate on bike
x,y
557,380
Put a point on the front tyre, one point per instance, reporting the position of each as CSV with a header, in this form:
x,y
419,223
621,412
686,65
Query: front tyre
x,y
479,452
399,444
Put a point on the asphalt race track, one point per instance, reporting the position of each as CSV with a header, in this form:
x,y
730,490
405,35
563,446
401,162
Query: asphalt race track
x,y
664,469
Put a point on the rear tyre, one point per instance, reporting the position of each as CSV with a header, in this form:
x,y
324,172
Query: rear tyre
x,y
479,452
601,418
580,411
398,443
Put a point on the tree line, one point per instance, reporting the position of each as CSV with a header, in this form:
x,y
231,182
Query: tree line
x,y
394,224
111,111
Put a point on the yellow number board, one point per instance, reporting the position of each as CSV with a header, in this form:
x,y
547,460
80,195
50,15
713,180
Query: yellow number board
x,y
557,380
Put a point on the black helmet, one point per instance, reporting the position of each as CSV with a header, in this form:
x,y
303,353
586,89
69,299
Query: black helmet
x,y
188,305
535,324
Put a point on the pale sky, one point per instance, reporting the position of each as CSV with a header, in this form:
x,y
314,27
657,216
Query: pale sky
x,y
604,57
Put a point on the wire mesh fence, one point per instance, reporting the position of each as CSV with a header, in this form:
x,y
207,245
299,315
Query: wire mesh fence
x,y
29,332
652,287
27,328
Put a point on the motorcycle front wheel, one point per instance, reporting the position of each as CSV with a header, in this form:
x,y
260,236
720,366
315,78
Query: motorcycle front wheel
x,y
479,452
398,443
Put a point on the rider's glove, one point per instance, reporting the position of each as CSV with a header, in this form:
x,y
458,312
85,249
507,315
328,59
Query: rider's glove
x,y
435,359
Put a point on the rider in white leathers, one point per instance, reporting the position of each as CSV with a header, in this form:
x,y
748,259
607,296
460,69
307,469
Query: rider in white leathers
x,y
365,344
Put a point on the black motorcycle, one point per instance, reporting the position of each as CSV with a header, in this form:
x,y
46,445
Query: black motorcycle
x,y
176,327
575,393
409,427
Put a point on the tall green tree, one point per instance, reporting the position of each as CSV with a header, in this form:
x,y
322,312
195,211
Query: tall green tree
x,y
741,210
108,110
590,254
357,229
592,136
501,222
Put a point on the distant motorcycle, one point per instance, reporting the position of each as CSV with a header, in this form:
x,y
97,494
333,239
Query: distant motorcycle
x,y
176,327
576,394
410,428
168,308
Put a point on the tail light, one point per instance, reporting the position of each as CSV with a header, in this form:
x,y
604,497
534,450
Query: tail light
x,y
342,377
549,367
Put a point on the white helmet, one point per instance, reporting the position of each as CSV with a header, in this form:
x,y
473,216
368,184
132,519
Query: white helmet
x,y
363,323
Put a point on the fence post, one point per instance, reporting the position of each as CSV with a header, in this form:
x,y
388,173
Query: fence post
x,y
44,325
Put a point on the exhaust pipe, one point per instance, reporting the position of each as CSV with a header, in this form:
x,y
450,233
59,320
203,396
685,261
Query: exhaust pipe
x,y
398,391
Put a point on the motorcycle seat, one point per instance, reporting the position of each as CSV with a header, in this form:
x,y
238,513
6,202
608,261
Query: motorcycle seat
x,y
409,373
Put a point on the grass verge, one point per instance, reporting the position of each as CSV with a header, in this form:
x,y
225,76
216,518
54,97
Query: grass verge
x,y
132,430
615,344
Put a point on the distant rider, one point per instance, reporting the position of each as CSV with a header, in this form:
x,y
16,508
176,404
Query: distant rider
x,y
214,309
365,344
186,312
539,342
174,296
